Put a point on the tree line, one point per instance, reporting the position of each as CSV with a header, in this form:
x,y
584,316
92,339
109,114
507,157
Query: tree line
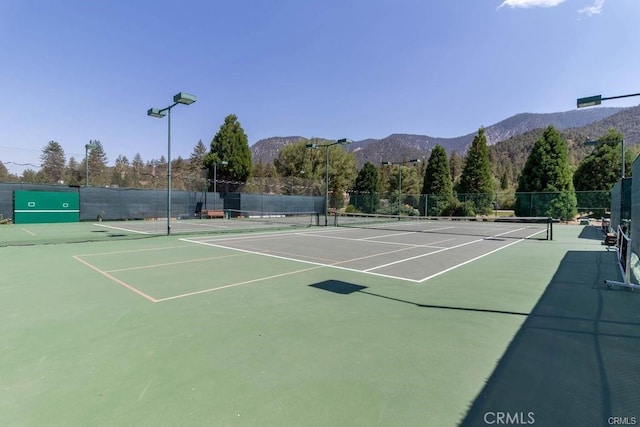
x,y
539,162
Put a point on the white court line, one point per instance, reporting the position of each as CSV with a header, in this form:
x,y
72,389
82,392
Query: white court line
x,y
370,271
387,235
203,224
458,246
257,235
121,228
297,260
469,261
430,245
423,255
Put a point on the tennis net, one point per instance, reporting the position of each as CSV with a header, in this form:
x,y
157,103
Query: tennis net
x,y
270,219
537,228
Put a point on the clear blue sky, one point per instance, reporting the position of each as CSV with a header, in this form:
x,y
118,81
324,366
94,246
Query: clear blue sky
x,y
75,70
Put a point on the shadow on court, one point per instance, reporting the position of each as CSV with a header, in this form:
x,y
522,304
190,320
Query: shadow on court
x,y
576,359
344,288
591,232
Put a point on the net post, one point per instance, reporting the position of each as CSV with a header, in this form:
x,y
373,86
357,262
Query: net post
x,y
550,229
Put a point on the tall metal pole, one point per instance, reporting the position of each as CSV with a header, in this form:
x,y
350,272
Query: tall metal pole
x,y
215,181
623,166
169,175
180,98
400,188
86,165
326,189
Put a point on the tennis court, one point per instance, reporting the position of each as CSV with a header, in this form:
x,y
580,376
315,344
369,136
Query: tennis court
x,y
304,326
404,255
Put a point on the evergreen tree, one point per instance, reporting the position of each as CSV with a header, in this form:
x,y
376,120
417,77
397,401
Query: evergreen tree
x,y
98,171
4,173
476,181
121,175
547,171
230,144
366,196
600,171
196,170
343,169
456,163
437,188
53,163
404,182
30,176
137,169
294,158
74,172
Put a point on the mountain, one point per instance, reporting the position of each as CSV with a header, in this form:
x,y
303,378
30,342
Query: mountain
x,y
267,149
398,147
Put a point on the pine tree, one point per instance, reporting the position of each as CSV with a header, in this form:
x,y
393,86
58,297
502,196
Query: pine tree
x,y
476,181
437,188
547,171
230,144
455,165
4,173
600,171
53,163
366,196
98,172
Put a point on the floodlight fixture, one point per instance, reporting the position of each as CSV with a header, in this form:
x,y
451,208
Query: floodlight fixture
x,y
184,98
154,112
180,98
589,101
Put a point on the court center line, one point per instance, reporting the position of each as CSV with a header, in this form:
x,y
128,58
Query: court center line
x,y
299,260
469,261
429,245
118,281
387,235
166,264
423,255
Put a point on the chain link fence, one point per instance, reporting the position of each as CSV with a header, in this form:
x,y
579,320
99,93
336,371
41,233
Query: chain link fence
x,y
563,205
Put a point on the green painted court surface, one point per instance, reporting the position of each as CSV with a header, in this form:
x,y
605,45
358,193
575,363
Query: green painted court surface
x,y
164,331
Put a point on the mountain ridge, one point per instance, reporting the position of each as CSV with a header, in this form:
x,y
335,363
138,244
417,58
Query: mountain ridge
x,y
403,146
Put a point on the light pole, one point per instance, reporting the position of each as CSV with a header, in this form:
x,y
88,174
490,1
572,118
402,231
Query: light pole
x,y
343,141
180,98
215,179
400,164
90,146
590,101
